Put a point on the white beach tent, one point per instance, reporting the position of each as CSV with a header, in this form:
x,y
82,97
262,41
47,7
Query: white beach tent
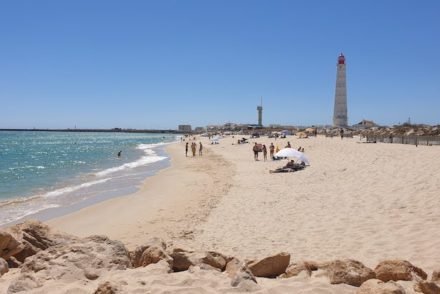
x,y
290,152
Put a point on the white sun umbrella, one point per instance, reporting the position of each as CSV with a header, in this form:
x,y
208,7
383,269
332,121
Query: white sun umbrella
x,y
290,152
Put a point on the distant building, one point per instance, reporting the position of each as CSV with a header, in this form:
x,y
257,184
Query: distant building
x,y
184,128
260,113
199,129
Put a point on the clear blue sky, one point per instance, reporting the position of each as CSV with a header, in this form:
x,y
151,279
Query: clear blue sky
x,y
156,64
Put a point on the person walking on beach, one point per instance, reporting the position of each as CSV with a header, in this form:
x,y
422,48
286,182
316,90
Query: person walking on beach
x,y
193,148
200,148
341,132
255,149
186,149
271,150
264,152
288,145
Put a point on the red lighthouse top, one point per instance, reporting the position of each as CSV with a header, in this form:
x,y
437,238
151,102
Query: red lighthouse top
x,y
341,59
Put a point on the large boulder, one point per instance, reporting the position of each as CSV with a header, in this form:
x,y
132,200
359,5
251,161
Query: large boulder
x,y
152,252
82,260
9,246
426,287
270,267
375,286
238,272
4,268
395,270
349,272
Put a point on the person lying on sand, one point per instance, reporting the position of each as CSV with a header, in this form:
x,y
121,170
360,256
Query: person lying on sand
x,y
291,166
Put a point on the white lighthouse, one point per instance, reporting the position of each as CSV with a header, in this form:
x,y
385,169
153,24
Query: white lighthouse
x,y
340,118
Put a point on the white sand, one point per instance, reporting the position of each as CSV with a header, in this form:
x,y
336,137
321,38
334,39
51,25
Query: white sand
x,y
363,201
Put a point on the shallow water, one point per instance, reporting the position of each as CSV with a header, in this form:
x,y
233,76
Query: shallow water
x,y
42,170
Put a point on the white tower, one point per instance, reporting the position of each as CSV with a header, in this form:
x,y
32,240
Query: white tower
x,y
340,118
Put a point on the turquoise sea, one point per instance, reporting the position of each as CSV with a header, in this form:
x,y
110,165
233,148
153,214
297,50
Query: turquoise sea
x,y
61,171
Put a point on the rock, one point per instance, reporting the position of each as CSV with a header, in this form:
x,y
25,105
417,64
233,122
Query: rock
x,y
375,286
9,246
136,256
435,277
4,267
238,272
153,252
215,259
395,270
349,272
34,236
295,269
427,287
270,267
106,288
183,259
83,259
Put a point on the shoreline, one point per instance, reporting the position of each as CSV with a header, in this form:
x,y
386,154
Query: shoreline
x,y
157,209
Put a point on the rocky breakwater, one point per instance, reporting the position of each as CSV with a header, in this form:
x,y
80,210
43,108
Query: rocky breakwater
x,y
33,259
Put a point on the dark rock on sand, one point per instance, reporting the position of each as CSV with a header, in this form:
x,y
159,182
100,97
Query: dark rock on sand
x,y
270,267
426,287
152,252
183,259
349,272
395,270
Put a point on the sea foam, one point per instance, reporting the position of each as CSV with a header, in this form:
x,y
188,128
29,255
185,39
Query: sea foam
x,y
150,157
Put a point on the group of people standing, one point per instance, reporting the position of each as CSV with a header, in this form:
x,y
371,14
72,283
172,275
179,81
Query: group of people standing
x,y
262,148
194,148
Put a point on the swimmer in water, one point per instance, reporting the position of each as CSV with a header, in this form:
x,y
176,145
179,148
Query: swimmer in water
x,y
119,153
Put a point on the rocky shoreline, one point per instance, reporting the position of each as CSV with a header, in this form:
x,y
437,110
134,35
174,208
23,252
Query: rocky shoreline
x,y
38,259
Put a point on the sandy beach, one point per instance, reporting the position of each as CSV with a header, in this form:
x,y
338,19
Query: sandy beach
x,y
367,202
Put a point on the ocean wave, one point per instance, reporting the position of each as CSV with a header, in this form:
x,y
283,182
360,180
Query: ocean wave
x,y
28,167
144,160
21,214
51,194
18,200
149,146
73,188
